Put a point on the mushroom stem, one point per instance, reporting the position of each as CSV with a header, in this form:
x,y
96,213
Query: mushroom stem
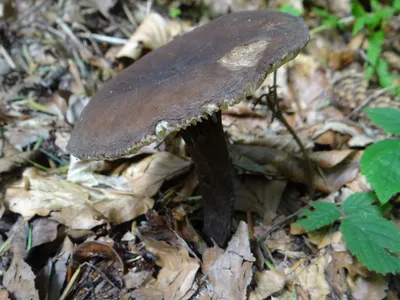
x,y
207,146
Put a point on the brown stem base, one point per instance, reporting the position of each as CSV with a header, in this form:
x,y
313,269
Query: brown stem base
x,y
207,146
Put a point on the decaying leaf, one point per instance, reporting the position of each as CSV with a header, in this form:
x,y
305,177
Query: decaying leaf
x,y
20,280
71,204
229,272
312,278
147,176
268,283
152,33
176,277
369,288
43,231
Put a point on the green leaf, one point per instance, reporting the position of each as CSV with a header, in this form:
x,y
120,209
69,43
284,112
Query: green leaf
x,y
374,240
380,163
290,10
384,75
324,214
385,117
374,50
329,19
359,25
174,12
396,5
357,10
361,203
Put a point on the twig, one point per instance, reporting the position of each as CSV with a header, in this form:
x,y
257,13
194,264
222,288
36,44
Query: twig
x,y
274,107
368,100
103,38
7,57
280,223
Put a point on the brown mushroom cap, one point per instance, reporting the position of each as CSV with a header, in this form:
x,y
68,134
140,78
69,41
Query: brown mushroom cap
x,y
215,65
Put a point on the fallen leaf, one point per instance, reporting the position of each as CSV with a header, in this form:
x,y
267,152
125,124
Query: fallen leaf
x,y
177,274
329,159
268,283
154,32
229,272
312,278
372,288
147,176
20,280
43,231
66,202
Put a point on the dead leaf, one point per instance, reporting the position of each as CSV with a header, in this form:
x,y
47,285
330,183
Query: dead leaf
x,y
229,272
312,278
177,274
133,279
154,32
329,159
222,7
66,202
43,231
18,234
28,132
372,288
268,283
20,280
147,176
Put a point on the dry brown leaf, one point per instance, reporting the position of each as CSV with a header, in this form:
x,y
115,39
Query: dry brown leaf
x,y
133,280
154,32
147,176
258,194
372,288
44,230
72,204
20,280
222,7
4,294
268,283
312,278
119,208
334,240
68,203
329,159
84,173
229,272
177,274
27,132
284,142
19,238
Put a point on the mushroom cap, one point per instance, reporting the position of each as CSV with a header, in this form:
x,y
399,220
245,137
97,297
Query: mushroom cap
x,y
175,86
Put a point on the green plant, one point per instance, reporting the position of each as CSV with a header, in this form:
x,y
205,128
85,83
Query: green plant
x,y
373,24
374,240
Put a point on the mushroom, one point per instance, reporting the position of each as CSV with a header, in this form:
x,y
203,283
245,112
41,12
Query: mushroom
x,y
183,86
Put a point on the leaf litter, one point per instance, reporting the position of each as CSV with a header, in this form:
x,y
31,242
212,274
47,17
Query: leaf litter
x,y
130,227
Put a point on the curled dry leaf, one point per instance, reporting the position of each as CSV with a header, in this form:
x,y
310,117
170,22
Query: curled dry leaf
x,y
71,204
154,32
85,173
147,176
177,274
229,272
20,280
